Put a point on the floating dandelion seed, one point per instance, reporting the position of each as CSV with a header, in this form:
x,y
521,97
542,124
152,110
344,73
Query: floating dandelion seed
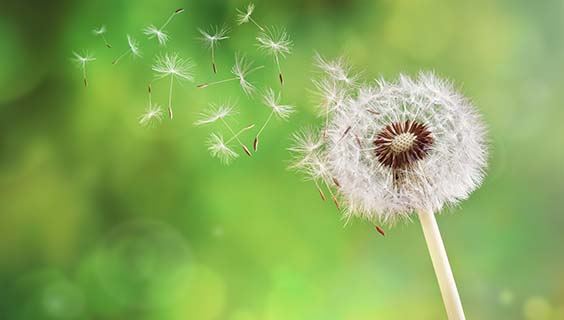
x,y
81,61
275,42
219,149
241,69
153,113
422,147
337,69
132,48
272,100
162,37
219,113
171,65
246,16
100,32
212,38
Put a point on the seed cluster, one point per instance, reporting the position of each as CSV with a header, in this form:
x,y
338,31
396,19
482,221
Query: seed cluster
x,y
399,145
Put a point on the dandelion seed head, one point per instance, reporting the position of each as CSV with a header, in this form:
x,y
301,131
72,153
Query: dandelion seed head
x,y
337,69
133,46
396,147
212,37
154,32
272,100
275,41
152,116
215,113
172,65
83,59
219,149
241,69
245,16
99,31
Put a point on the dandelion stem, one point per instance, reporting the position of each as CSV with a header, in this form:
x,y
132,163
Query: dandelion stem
x,y
255,143
236,137
256,24
84,75
265,123
207,84
106,41
168,20
170,98
249,127
121,56
441,265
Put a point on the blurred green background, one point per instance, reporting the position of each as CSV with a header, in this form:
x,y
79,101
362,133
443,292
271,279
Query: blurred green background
x,y
101,218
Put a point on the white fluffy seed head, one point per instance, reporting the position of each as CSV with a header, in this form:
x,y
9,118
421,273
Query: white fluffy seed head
x,y
245,16
82,59
133,46
272,100
172,65
99,31
212,37
154,32
152,116
215,113
275,41
241,70
449,168
219,149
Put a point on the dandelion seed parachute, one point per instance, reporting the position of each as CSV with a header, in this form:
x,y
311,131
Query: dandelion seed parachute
x,y
277,43
171,65
272,101
212,38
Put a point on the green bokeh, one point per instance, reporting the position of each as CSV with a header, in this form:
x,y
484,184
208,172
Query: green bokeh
x,y
101,218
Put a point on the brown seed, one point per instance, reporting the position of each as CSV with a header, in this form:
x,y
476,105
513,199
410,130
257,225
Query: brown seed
x,y
214,68
281,78
203,85
380,230
336,182
246,150
180,10
321,193
85,82
255,144
336,203
149,88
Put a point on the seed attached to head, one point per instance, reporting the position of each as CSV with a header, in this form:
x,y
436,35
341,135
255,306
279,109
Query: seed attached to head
x,y
399,145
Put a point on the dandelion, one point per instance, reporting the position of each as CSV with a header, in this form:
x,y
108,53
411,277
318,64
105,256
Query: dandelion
x,y
219,113
422,147
153,113
132,48
241,69
81,61
246,16
100,32
174,67
276,43
212,38
159,33
272,100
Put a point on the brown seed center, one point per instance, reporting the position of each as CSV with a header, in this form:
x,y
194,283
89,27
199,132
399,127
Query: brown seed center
x,y
399,145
